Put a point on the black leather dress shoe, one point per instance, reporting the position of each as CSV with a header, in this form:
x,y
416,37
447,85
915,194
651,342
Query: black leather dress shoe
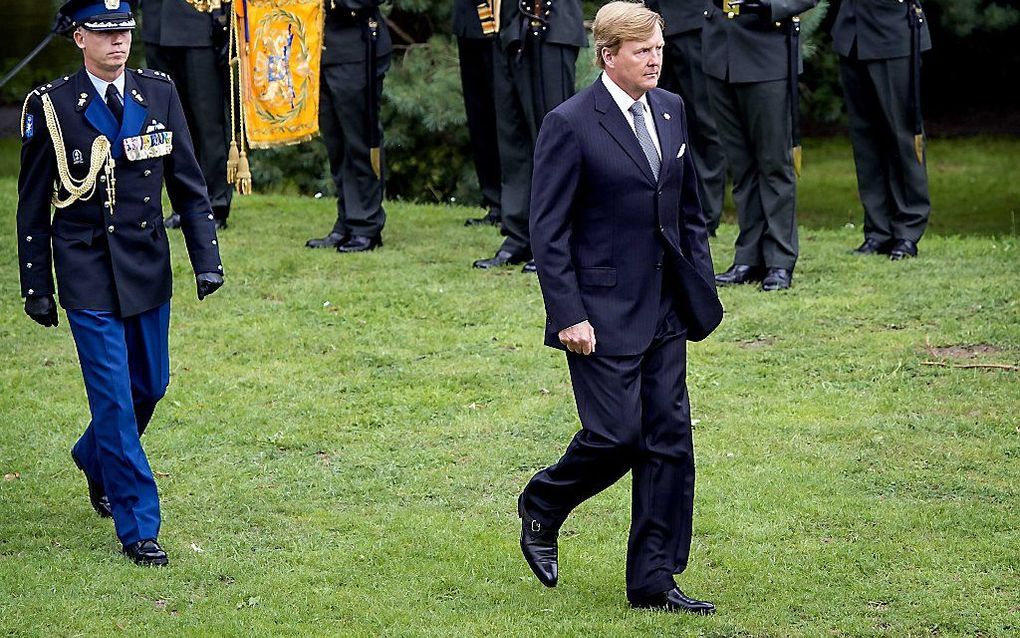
x,y
529,267
777,279
359,244
739,274
173,221
501,258
491,218
902,249
675,600
97,495
538,544
146,552
872,247
331,240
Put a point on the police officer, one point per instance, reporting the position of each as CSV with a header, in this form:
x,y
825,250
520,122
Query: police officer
x,y
752,59
879,43
534,72
474,24
355,57
190,46
682,73
97,146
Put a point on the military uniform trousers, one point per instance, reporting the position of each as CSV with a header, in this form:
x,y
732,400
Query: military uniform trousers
x,y
343,121
126,367
635,415
202,85
528,85
892,184
476,67
753,119
682,74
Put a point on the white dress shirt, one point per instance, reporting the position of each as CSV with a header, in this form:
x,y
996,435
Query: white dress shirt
x,y
625,101
101,85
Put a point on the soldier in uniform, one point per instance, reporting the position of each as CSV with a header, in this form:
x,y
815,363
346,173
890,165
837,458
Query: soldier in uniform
x,y
355,57
879,43
534,72
474,24
682,73
190,46
752,59
98,146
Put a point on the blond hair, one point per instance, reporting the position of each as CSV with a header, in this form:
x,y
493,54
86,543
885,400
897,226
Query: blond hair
x,y
620,21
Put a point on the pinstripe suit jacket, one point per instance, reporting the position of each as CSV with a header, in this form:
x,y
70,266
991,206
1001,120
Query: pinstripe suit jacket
x,y
604,231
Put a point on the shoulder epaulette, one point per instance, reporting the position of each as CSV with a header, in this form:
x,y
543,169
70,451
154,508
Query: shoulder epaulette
x,y
149,73
27,123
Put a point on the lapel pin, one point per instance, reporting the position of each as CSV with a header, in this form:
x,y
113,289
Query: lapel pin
x,y
666,116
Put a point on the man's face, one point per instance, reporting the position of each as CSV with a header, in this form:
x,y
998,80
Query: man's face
x,y
106,51
636,65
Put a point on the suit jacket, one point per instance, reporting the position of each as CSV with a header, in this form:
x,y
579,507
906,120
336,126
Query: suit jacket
x,y
175,23
604,232
680,16
750,47
344,39
107,257
878,27
565,20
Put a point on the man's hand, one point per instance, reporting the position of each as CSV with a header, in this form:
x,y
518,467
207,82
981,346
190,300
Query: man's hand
x,y
42,310
579,338
208,283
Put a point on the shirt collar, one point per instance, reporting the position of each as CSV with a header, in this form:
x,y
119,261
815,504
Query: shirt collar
x,y
101,84
620,96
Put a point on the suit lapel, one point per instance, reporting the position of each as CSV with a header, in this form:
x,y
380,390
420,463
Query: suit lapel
x,y
614,122
135,110
663,126
97,114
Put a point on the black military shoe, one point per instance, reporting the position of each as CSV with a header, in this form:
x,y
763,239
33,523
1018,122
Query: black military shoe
x,y
173,221
491,218
872,247
530,267
902,249
331,240
674,600
538,544
739,274
146,552
359,244
501,258
777,279
97,496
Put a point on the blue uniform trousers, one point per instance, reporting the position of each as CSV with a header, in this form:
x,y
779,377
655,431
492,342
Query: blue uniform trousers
x,y
126,366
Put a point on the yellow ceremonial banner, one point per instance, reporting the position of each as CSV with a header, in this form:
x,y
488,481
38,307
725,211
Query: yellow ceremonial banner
x,y
279,45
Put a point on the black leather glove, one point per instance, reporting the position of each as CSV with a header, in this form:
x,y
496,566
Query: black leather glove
x,y
208,283
42,310
761,7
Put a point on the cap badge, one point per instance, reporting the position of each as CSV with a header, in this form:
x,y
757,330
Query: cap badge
x,y
112,5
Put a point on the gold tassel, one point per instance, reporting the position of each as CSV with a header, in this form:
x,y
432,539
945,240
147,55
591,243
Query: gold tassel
x,y
919,148
798,158
243,180
376,157
232,162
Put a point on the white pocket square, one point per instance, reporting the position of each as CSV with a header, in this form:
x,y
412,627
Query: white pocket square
x,y
680,153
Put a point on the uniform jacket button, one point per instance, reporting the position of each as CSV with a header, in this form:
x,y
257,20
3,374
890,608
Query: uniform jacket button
x,y
214,242
145,200
29,238
109,229
31,291
28,265
144,224
146,173
102,178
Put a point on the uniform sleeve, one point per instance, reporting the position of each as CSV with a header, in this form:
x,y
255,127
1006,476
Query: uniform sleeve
x,y
783,9
693,228
185,185
35,191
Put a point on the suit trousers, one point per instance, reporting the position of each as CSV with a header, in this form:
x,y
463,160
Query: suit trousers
x,y
126,366
635,415
528,85
754,122
892,184
202,85
344,121
476,69
682,75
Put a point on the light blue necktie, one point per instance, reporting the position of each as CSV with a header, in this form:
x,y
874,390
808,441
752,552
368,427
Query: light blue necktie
x,y
644,138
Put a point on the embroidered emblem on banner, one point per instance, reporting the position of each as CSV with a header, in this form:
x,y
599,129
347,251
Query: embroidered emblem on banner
x,y
148,146
29,126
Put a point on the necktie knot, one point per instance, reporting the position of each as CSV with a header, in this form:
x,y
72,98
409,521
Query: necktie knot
x,y
637,109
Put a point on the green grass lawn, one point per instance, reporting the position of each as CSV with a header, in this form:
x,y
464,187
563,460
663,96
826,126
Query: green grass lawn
x,y
344,439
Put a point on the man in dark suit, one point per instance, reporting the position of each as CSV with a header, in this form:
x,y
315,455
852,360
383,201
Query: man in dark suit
x,y
534,72
190,47
355,57
99,146
474,24
879,43
683,74
752,60
615,205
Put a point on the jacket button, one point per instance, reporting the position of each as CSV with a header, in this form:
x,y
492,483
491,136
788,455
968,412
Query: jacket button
x,y
31,291
658,266
28,238
109,229
214,242
106,204
220,267
144,224
211,216
146,173
28,265
145,200
102,178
